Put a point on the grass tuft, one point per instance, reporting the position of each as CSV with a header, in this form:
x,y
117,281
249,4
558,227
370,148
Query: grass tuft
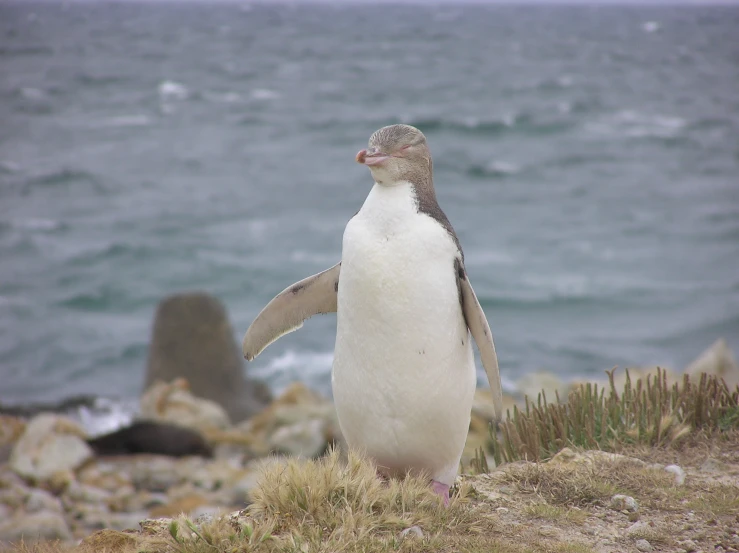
x,y
649,412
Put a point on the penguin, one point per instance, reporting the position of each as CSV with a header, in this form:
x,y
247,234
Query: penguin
x,y
403,375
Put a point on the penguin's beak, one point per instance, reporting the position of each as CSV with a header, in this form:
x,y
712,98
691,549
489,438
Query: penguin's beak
x,y
371,157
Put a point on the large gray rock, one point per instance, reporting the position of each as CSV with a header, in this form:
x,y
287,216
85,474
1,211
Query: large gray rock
x,y
32,526
50,444
193,339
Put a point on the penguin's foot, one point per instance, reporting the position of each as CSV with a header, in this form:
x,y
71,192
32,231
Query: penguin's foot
x,y
442,490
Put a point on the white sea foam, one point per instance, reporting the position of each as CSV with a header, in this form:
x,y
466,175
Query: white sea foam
x,y
502,167
106,415
630,123
650,26
172,90
36,223
292,365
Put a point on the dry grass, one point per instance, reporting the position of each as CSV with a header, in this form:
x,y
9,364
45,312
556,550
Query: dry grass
x,y
650,412
583,485
555,513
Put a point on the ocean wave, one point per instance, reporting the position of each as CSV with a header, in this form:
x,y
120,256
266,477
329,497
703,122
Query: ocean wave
x,y
92,81
494,169
110,250
651,26
172,90
10,51
133,120
9,167
63,176
633,124
517,122
35,224
293,365
222,97
264,94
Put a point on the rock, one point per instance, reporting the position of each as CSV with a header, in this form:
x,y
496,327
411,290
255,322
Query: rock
x,y
622,502
49,444
84,493
11,429
110,541
152,437
106,475
154,473
303,439
643,545
32,526
174,403
678,472
717,360
638,528
533,384
193,339
412,532
40,500
293,423
689,545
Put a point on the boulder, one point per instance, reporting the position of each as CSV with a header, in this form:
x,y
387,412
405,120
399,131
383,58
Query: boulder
x,y
174,403
193,339
299,422
49,446
718,360
47,525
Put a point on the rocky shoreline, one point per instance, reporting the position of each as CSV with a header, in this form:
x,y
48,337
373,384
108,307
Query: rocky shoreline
x,y
57,482
54,485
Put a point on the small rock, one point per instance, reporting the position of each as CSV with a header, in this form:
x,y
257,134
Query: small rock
x,y
502,510
678,472
83,493
549,531
644,545
30,526
412,532
155,474
637,527
40,500
689,546
302,439
173,403
49,444
622,502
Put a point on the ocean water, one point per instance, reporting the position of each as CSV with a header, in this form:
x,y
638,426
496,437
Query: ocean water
x,y
588,158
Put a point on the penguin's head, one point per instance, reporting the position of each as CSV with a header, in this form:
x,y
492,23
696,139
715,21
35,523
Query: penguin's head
x,y
397,153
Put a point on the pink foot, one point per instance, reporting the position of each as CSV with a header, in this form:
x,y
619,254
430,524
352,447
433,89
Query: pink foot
x,y
442,490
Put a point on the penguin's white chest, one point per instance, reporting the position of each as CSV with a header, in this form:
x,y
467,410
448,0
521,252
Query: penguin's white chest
x,y
403,374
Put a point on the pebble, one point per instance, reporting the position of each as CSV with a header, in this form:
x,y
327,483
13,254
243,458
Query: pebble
x,y
689,546
413,532
678,472
622,502
644,545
